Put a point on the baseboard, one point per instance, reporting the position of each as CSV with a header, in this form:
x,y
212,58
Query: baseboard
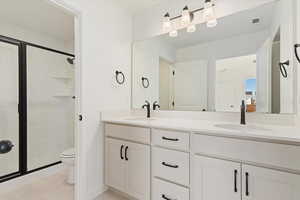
x,y
95,193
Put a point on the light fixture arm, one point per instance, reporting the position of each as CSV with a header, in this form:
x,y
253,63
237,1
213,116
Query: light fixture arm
x,y
192,13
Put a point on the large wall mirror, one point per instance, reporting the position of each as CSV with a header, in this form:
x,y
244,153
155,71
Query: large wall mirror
x,y
214,69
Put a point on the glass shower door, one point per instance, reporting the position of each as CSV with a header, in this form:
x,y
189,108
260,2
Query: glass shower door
x,y
9,101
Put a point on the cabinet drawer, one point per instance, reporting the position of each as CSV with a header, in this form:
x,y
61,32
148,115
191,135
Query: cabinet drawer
x,y
136,134
163,190
171,165
171,139
271,154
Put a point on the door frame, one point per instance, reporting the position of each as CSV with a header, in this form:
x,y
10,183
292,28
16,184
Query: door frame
x,y
81,157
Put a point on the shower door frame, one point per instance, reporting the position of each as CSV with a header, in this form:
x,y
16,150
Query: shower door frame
x,y
22,105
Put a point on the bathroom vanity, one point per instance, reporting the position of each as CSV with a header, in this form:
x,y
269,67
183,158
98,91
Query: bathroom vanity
x,y
178,159
247,57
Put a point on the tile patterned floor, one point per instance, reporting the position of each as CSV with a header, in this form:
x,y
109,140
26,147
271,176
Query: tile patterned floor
x,y
53,187
50,188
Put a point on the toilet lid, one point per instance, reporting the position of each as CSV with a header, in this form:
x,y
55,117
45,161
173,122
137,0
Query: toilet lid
x,y
69,153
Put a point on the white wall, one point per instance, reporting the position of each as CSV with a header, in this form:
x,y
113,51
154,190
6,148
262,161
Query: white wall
x,y
106,35
149,22
146,56
33,36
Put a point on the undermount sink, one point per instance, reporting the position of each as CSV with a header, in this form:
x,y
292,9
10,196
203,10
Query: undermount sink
x,y
238,127
140,119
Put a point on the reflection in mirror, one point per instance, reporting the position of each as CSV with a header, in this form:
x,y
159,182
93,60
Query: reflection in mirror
x,y
214,69
236,80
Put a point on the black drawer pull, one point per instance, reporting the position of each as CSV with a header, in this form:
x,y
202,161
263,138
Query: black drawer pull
x,y
169,165
126,151
170,139
165,197
235,180
247,184
121,152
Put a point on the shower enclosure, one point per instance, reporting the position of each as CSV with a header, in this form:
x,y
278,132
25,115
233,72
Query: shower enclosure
x,y
36,106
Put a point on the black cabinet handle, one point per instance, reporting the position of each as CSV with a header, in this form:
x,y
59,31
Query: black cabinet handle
x,y
126,150
165,197
296,52
121,152
235,180
170,139
247,184
169,165
282,67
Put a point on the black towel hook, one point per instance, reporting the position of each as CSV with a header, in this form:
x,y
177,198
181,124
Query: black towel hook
x,y
117,77
144,79
296,52
282,67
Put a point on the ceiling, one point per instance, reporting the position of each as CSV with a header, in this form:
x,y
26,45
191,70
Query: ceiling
x,y
229,26
137,6
38,15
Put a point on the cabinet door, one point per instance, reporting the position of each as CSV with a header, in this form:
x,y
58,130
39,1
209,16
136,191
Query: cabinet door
x,y
266,184
214,179
138,170
115,165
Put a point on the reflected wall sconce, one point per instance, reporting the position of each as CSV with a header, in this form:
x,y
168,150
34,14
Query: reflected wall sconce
x,y
145,82
187,19
296,52
120,77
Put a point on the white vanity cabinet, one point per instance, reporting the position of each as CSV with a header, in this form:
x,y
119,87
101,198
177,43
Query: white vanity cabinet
x,y
219,179
249,177
215,179
266,184
127,162
159,164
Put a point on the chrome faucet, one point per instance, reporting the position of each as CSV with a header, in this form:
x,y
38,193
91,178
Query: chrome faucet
x,y
243,113
156,105
147,105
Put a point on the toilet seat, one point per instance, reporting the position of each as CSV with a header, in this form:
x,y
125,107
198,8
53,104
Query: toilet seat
x,y
69,153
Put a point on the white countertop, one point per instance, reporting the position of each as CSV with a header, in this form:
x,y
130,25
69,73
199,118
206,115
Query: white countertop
x,y
272,133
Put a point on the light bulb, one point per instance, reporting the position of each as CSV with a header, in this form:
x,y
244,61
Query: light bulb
x,y
212,23
185,16
167,26
191,28
173,33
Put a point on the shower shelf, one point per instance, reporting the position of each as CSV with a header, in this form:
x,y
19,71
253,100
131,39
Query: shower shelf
x,y
62,77
62,95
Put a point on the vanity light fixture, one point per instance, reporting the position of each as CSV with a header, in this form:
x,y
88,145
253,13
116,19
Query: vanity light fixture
x,y
173,33
167,25
209,14
187,17
191,28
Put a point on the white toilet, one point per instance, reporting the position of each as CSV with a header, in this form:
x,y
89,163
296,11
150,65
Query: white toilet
x,y
68,159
